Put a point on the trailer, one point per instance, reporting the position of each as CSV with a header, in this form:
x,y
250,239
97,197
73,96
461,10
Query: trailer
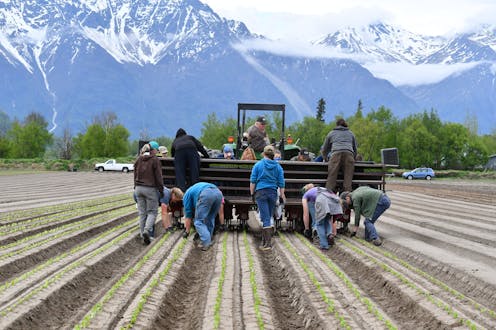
x,y
232,176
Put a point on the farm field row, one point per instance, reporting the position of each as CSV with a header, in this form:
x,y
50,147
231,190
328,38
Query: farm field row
x,y
81,264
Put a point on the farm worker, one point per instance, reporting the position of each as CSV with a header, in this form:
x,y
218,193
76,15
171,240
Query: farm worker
x,y
341,143
308,203
148,185
185,150
257,136
202,202
163,151
370,203
227,153
266,177
327,210
169,196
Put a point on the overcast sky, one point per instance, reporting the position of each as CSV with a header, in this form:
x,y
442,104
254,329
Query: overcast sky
x,y
314,18
293,23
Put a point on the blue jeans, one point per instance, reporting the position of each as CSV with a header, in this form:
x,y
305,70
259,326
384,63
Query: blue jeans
x,y
311,210
266,201
206,209
370,231
147,199
324,229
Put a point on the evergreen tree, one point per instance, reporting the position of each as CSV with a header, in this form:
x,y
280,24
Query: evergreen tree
x,y
321,109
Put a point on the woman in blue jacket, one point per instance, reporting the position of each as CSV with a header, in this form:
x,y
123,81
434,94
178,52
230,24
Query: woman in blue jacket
x,y
266,177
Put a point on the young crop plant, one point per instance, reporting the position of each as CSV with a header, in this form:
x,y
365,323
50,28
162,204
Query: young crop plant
x,y
137,311
458,295
218,298
56,277
59,257
448,309
62,231
86,321
370,305
256,298
330,304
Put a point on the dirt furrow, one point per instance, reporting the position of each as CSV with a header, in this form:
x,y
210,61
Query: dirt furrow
x,y
33,254
397,300
310,268
183,306
108,311
433,287
71,288
41,272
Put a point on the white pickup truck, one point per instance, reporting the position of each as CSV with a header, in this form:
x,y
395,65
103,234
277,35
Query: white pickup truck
x,y
112,165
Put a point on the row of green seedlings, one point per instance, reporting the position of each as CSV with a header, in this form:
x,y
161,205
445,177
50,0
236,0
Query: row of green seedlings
x,y
220,285
62,231
330,304
68,214
356,292
458,295
52,209
439,303
67,254
55,278
253,282
97,308
161,277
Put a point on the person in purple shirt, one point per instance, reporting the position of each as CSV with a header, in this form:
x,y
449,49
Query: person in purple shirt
x,y
308,202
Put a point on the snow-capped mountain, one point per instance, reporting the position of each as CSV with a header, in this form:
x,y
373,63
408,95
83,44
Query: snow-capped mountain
x,y
165,64
385,43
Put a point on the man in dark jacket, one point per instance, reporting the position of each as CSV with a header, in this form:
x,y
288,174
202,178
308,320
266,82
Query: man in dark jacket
x,y
148,185
185,150
341,143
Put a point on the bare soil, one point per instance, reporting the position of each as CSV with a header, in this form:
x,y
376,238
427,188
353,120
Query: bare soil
x,y
66,265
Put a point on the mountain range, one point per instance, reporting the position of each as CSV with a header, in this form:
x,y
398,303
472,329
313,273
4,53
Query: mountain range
x,y
161,65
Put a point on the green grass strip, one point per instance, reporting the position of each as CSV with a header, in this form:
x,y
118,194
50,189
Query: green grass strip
x,y
62,232
367,302
57,258
218,299
256,298
330,304
137,311
460,296
58,276
447,308
86,321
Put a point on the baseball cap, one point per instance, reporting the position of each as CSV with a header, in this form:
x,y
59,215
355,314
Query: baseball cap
x,y
227,149
261,119
153,145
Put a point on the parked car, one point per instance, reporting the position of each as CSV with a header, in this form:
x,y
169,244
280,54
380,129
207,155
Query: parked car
x,y
112,165
419,173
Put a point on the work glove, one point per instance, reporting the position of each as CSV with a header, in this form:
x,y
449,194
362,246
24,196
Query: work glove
x,y
307,233
185,234
353,234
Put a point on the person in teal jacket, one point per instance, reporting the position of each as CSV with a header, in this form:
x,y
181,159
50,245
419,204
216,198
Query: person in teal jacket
x,y
369,202
201,204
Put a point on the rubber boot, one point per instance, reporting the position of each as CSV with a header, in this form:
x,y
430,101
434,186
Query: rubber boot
x,y
267,232
262,242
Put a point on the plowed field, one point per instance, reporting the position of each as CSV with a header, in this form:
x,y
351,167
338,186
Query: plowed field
x,y
71,257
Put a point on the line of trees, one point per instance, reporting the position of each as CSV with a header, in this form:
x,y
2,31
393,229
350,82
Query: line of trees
x,y
422,139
